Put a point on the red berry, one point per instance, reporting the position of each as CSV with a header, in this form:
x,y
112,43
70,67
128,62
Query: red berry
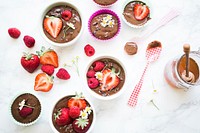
x,y
48,69
25,111
62,117
29,41
85,125
14,32
93,83
91,73
98,65
74,112
89,50
63,74
66,15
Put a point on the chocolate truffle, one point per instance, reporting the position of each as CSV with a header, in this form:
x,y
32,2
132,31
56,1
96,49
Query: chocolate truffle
x,y
131,48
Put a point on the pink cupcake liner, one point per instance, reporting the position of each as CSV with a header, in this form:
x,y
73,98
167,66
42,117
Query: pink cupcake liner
x,y
104,11
109,5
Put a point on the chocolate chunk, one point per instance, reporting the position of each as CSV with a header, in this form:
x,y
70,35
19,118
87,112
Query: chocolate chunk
x,y
131,48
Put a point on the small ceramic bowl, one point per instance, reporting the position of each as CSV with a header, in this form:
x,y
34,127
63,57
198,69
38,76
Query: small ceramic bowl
x,y
97,81
128,17
71,29
63,103
30,100
105,27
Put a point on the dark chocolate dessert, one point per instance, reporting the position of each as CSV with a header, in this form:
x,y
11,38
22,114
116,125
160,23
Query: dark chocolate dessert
x,y
62,24
26,108
136,13
131,48
104,26
72,114
105,77
105,2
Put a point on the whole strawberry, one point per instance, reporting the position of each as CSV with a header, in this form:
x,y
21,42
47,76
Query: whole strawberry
x,y
62,117
14,32
48,69
30,62
29,41
81,125
63,74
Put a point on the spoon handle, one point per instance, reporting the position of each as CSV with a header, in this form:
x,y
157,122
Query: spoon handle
x,y
134,96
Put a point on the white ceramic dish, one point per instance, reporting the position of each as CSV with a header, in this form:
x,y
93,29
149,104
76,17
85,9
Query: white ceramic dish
x,y
91,105
98,96
50,6
132,25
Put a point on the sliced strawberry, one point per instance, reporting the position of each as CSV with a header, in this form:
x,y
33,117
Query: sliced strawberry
x,y
53,25
48,57
80,103
110,80
141,11
43,82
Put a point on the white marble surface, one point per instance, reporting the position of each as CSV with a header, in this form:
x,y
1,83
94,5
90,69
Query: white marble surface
x,y
179,110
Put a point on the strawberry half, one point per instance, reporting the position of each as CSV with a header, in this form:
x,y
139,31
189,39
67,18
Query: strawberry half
x,y
53,25
109,80
81,125
43,82
141,11
48,57
77,101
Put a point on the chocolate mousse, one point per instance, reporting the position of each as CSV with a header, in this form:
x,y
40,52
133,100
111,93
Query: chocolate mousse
x,y
131,48
26,108
105,77
105,2
193,70
136,13
104,26
62,24
68,102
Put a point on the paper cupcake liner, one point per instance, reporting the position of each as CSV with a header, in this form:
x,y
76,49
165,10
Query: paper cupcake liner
x,y
19,123
132,25
105,6
104,11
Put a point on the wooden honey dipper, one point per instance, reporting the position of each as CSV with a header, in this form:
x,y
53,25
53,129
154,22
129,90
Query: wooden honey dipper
x,y
186,49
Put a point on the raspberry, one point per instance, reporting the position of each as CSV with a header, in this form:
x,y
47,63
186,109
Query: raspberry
x,y
63,74
74,112
29,41
89,50
48,69
91,74
25,111
14,32
66,15
98,65
93,83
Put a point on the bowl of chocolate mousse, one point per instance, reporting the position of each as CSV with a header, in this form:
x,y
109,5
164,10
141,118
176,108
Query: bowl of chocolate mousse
x,y
105,3
136,13
105,77
61,24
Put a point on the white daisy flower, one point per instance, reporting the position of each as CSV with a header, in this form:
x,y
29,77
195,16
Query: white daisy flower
x,y
88,110
109,17
111,23
84,114
104,23
99,75
21,104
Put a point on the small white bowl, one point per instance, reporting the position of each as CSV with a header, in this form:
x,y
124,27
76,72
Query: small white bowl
x,y
98,96
132,25
91,105
50,6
